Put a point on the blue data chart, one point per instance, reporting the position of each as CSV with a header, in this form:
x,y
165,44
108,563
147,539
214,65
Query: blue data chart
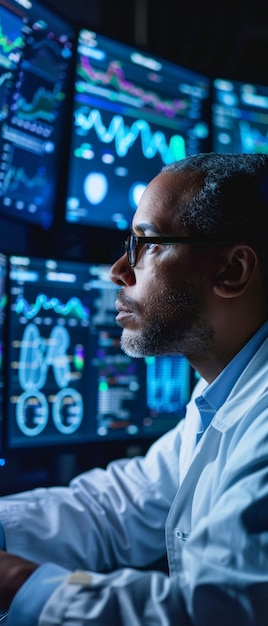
x,y
49,318
36,50
132,114
239,117
69,382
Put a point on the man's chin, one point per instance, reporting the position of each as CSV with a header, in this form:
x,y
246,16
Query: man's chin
x,y
131,345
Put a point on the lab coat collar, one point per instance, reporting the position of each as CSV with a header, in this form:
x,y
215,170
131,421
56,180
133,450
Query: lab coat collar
x,y
251,384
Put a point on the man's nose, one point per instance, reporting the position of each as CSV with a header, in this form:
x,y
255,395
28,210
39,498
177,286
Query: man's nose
x,y
121,273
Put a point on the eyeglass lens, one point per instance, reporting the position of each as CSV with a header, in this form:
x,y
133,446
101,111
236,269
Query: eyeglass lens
x,y
131,244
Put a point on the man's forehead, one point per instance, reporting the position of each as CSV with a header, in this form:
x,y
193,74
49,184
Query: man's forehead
x,y
167,184
158,208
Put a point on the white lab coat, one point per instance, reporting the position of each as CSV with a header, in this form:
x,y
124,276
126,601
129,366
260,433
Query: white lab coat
x,y
216,531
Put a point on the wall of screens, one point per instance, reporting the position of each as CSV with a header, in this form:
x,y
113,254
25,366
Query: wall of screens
x,y
88,121
36,50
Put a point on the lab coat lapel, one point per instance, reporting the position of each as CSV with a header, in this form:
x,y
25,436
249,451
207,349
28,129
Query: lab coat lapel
x,y
179,521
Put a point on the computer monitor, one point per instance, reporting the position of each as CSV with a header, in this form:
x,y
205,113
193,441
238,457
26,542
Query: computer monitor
x,y
36,50
69,381
133,113
3,306
239,117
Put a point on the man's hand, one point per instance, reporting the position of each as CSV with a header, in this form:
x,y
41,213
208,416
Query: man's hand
x,y
14,571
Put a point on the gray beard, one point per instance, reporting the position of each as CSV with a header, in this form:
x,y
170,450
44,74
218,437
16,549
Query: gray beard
x,y
150,342
184,332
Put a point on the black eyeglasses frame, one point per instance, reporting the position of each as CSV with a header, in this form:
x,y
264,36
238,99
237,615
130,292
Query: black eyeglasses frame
x,y
133,241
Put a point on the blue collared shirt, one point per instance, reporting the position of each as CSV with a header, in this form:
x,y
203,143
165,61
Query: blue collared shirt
x,y
215,394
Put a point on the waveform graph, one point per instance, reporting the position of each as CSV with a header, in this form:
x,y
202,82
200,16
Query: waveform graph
x,y
114,158
123,136
73,307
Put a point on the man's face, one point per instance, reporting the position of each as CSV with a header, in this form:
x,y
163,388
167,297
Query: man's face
x,y
161,304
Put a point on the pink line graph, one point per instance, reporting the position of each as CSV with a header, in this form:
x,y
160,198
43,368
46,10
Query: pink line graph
x,y
114,76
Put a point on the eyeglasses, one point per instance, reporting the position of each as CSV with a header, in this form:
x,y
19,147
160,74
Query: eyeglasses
x,y
133,241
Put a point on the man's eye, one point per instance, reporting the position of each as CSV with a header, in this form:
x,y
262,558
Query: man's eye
x,y
149,246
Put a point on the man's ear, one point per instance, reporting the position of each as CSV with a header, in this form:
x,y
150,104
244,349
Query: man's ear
x,y
236,269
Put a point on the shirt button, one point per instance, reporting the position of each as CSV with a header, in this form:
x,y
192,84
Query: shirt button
x,y
180,534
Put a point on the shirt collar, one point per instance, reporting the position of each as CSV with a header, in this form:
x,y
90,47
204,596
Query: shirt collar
x,y
215,394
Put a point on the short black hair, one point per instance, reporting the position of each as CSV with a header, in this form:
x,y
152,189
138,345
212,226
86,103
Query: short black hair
x,y
229,199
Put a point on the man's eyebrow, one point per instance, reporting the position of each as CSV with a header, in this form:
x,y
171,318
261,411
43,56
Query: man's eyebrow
x,y
143,227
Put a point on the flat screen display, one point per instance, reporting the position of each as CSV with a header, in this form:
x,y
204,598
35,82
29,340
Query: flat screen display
x,y
132,114
239,117
69,381
36,49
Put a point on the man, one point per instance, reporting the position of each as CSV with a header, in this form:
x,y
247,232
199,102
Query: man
x,y
193,280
